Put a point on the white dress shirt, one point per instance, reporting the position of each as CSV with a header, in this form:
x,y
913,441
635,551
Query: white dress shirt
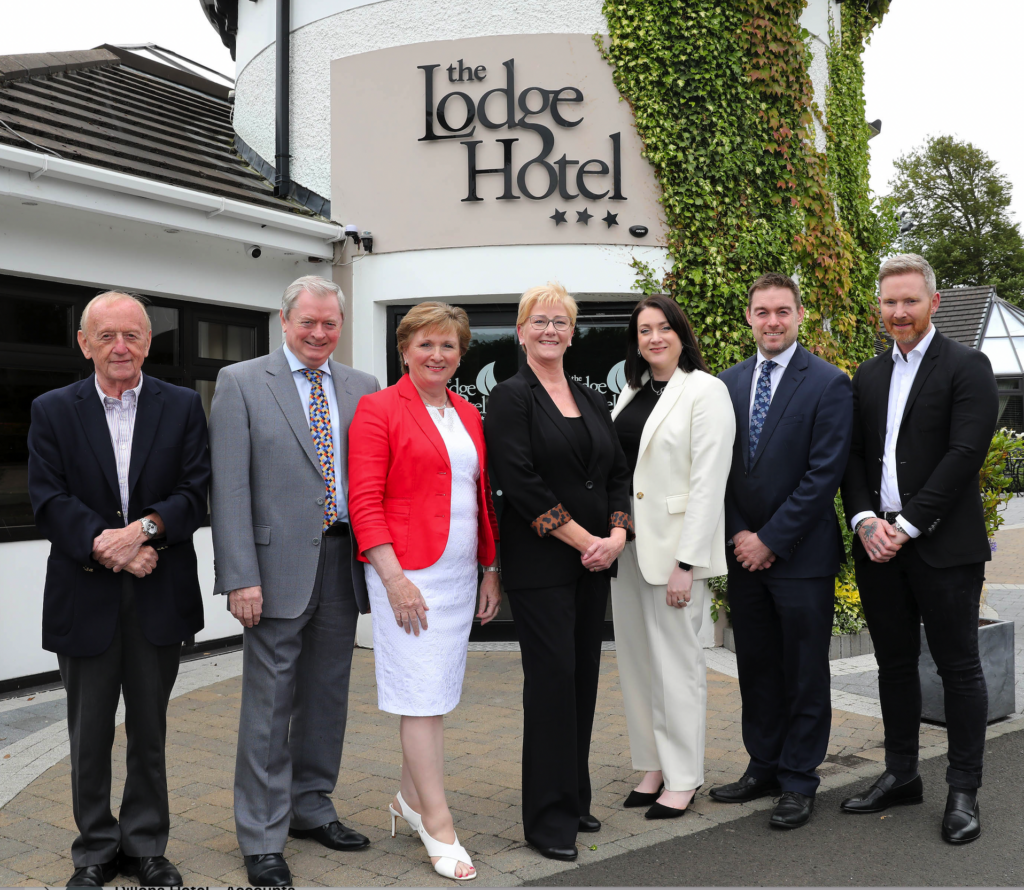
x,y
905,368
120,415
781,363
305,388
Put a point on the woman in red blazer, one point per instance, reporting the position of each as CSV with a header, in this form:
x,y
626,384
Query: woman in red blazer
x,y
420,506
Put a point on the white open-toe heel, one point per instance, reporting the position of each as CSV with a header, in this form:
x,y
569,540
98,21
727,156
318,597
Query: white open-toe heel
x,y
408,813
451,855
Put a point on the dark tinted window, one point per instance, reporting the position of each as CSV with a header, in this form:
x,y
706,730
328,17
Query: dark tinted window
x,y
32,322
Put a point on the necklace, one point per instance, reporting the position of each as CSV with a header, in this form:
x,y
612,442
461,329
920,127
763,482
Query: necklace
x,y
657,392
440,407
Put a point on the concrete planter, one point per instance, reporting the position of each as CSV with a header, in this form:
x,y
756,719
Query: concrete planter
x,y
845,646
995,645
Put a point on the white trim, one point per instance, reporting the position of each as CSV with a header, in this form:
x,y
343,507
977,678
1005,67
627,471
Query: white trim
x,y
203,213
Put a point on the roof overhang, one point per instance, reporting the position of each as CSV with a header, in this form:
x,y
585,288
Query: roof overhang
x,y
223,15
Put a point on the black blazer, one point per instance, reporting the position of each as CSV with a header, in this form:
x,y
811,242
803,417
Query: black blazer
x,y
535,461
945,433
787,494
72,480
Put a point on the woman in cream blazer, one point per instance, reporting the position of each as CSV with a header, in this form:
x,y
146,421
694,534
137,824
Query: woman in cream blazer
x,y
676,424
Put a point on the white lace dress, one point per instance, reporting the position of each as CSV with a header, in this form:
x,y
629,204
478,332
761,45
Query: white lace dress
x,y
421,676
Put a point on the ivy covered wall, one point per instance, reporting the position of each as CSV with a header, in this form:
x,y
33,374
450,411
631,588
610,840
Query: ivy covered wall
x,y
724,104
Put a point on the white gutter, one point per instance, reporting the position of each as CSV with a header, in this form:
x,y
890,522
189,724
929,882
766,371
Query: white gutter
x,y
44,166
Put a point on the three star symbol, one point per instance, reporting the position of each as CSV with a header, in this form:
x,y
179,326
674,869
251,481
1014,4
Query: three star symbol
x,y
558,216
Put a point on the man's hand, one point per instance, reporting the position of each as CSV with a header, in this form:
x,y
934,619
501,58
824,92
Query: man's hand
x,y
114,548
680,583
246,605
881,541
144,562
490,597
750,552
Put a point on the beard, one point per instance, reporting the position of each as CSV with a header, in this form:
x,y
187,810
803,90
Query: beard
x,y
915,332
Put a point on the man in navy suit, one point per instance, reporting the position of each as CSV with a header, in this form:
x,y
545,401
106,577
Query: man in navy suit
x,y
786,548
118,473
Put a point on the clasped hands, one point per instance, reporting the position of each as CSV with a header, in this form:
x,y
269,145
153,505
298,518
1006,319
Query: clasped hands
x,y
750,552
120,549
603,552
880,539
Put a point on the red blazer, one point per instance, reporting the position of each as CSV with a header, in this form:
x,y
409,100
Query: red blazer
x,y
399,477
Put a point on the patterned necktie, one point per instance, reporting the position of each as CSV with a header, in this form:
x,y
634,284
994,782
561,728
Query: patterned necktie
x,y
323,439
762,401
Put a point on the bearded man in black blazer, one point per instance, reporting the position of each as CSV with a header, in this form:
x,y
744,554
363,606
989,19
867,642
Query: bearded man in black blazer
x,y
924,415
118,472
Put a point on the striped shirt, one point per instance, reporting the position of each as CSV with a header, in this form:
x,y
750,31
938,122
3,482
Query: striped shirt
x,y
121,423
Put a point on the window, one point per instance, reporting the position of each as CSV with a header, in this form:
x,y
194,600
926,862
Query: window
x,y
39,352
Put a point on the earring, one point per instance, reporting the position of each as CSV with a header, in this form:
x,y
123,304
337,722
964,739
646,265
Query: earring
x,y
638,352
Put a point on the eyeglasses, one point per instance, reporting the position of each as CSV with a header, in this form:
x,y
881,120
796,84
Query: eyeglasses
x,y
541,322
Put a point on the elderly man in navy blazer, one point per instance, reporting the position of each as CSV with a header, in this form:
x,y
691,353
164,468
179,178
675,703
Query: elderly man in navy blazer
x,y
118,472
786,548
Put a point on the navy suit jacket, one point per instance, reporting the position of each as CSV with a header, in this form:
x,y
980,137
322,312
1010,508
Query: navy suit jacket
x,y
786,494
72,479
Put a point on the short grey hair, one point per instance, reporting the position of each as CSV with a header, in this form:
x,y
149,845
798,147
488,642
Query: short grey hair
x,y
113,296
317,286
903,263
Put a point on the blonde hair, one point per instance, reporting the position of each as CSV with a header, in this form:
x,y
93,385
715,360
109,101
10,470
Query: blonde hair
x,y
550,294
433,315
905,263
113,296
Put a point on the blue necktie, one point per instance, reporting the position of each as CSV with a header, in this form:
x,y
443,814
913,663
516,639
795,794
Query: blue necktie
x,y
762,402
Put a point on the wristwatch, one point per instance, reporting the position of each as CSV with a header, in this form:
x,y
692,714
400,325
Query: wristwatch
x,y
686,567
149,527
896,524
492,569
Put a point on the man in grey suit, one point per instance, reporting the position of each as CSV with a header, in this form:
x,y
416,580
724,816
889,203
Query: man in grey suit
x,y
285,556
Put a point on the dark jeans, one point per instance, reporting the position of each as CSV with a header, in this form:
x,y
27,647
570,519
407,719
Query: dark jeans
x,y
559,631
898,596
145,674
783,628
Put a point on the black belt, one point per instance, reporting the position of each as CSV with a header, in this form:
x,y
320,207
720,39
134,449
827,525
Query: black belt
x,y
890,517
338,530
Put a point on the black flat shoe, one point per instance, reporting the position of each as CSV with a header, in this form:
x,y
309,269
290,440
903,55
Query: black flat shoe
x,y
660,811
643,798
961,822
333,835
589,823
564,854
268,870
883,794
94,875
793,810
152,871
746,789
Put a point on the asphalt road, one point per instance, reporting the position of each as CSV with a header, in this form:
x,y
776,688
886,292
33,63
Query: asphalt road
x,y
838,850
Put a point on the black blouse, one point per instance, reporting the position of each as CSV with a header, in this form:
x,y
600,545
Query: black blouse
x,y
583,441
629,425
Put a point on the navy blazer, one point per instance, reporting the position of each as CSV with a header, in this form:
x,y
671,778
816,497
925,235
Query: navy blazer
x,y
72,481
786,495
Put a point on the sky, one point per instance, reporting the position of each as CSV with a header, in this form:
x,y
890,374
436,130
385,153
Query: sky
x,y
934,67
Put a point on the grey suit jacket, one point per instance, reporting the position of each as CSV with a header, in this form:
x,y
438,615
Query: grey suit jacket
x,y
267,492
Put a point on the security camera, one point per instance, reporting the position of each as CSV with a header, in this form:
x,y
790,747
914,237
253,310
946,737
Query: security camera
x,y
254,250
352,232
368,241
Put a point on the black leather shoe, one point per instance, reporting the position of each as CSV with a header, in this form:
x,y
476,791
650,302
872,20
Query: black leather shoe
x,y
643,798
565,854
94,875
660,811
747,788
793,810
152,871
589,823
268,870
961,822
883,794
333,835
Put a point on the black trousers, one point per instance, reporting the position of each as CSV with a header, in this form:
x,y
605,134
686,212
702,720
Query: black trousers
x,y
559,631
899,596
145,674
783,628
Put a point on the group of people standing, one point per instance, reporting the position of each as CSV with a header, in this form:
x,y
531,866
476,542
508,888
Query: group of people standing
x,y
332,497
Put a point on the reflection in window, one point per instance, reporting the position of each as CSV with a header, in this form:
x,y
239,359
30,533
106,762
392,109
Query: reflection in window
x,y
596,358
34,322
1011,412
17,390
205,389
226,342
164,350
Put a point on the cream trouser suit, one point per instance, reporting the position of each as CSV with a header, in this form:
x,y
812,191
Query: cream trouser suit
x,y
682,467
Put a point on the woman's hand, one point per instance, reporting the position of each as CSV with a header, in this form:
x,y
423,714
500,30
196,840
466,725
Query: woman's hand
x,y
679,585
604,551
407,603
490,597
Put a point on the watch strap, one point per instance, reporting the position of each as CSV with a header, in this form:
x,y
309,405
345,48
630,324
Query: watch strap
x,y
686,567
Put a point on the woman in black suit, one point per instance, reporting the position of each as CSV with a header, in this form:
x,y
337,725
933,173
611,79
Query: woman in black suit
x,y
565,479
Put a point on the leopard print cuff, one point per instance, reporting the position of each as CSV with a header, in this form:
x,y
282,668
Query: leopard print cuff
x,y
619,519
546,523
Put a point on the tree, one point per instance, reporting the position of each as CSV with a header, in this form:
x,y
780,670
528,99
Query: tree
x,y
958,203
